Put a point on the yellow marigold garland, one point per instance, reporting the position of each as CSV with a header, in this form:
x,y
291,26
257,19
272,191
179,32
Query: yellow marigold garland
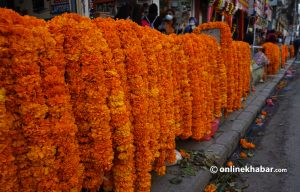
x,y
226,47
167,116
137,79
123,168
60,111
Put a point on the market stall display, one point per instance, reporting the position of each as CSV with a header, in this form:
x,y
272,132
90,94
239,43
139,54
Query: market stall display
x,y
272,51
99,103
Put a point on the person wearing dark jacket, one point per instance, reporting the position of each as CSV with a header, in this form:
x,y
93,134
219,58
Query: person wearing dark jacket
x,y
296,46
124,12
152,19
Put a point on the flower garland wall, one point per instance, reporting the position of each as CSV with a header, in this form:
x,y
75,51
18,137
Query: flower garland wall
x,y
272,51
111,97
284,55
228,58
85,77
34,157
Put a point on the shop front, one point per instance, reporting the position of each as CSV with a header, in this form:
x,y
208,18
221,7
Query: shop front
x,y
44,9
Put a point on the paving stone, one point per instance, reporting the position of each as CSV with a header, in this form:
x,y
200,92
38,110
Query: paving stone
x,y
247,117
229,140
240,127
253,109
218,153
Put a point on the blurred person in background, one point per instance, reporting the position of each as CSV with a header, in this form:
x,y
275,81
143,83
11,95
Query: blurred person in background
x,y
152,19
192,24
169,22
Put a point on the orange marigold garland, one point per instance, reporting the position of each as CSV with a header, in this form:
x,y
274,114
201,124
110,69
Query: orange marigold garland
x,y
151,46
8,177
170,53
123,168
238,76
272,51
167,83
284,55
137,76
197,90
8,181
218,75
245,69
292,51
186,100
84,76
60,113
33,146
226,47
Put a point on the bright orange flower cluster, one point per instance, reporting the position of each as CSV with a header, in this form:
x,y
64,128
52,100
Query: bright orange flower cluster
x,y
292,51
236,56
284,54
272,51
100,103
242,62
246,145
210,188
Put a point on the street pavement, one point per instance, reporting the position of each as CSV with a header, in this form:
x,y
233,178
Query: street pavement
x,y
279,145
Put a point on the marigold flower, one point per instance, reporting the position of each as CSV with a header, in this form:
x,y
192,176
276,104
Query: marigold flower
x,y
243,155
210,188
230,164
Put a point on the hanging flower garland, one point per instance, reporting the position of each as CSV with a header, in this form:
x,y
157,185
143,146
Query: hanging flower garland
x,y
8,170
138,86
60,113
32,143
245,58
169,52
219,91
168,125
167,84
226,47
238,79
196,65
150,41
132,91
284,55
186,99
85,75
8,176
292,51
123,168
272,51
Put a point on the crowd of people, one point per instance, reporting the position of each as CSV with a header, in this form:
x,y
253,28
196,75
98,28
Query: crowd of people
x,y
148,16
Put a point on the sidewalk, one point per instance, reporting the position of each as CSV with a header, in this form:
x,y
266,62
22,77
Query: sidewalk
x,y
224,142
